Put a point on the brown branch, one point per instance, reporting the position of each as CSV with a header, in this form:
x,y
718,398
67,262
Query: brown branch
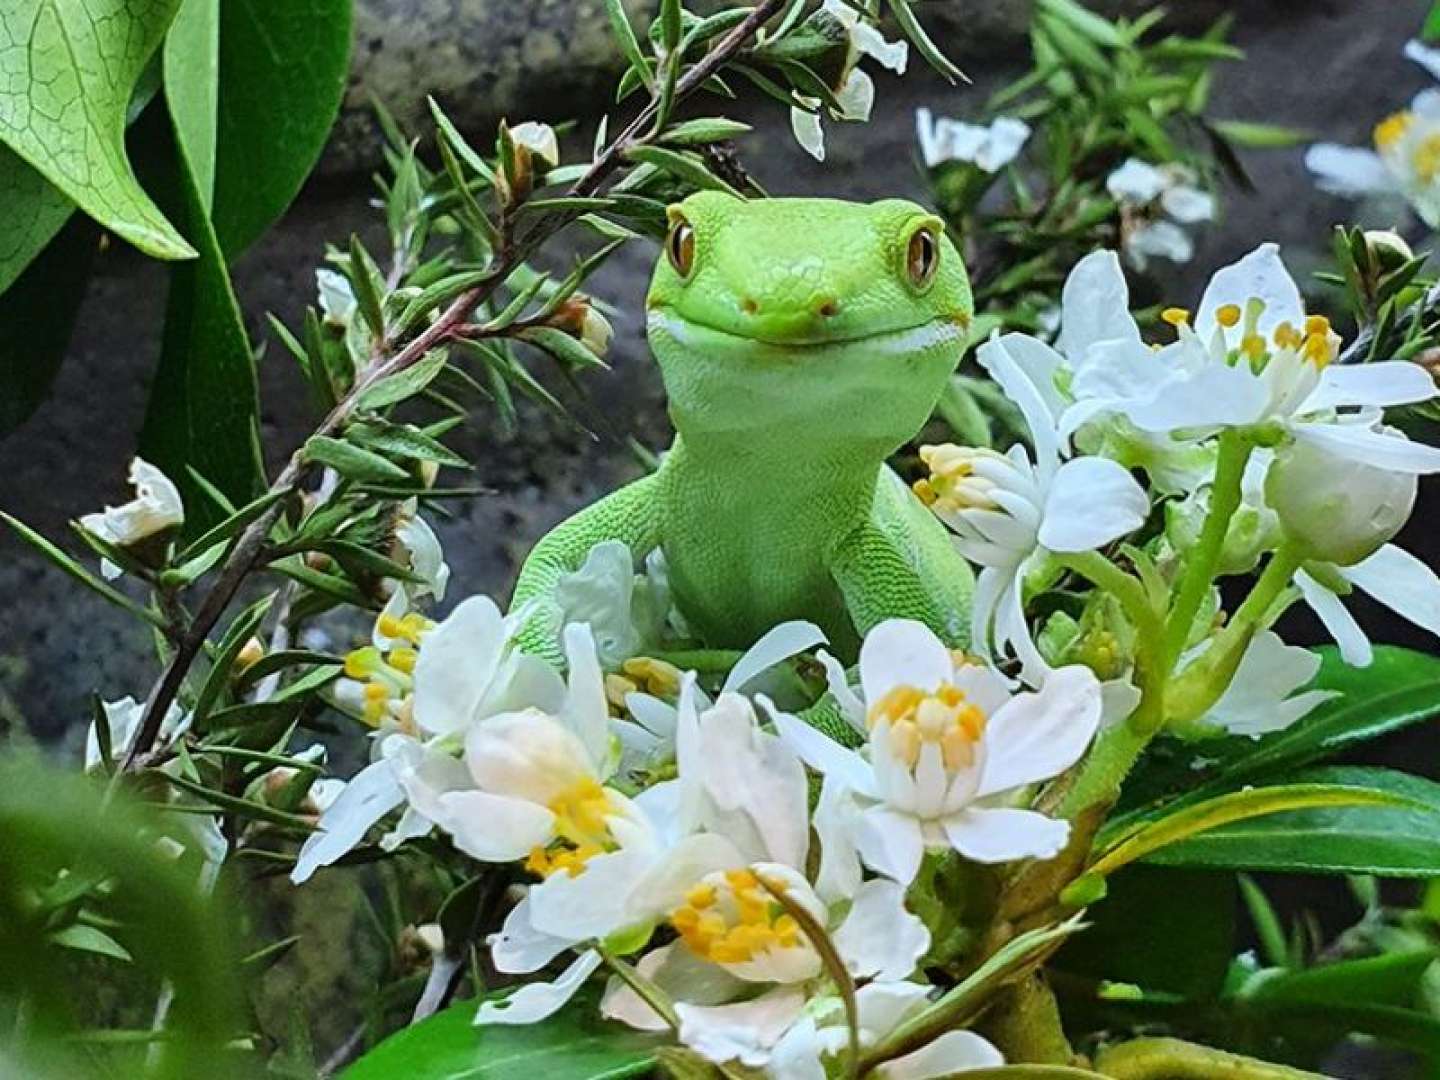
x,y
251,544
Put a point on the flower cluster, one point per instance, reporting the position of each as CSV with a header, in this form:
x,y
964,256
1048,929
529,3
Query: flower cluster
x,y
1255,440
697,878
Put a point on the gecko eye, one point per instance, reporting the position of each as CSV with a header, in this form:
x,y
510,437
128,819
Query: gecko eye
x,y
680,246
922,256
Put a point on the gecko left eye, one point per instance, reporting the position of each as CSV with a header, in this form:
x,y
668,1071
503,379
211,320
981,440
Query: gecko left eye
x,y
680,246
922,256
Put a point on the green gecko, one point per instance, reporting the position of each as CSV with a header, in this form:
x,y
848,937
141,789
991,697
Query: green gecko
x,y
801,342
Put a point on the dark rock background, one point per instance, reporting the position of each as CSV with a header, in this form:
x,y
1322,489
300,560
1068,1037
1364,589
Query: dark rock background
x,y
1330,67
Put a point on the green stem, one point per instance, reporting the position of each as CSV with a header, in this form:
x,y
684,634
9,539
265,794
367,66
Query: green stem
x,y
644,989
1175,1059
1025,1024
1234,454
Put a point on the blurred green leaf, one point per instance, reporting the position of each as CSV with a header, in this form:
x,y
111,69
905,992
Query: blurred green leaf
x,y
1259,136
351,461
92,53
1387,840
575,1044
283,68
192,88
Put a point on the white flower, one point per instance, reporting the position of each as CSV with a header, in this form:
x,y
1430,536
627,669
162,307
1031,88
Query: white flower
x,y
155,508
1254,357
988,147
950,751
425,557
1262,696
337,299
1006,509
734,937
1157,201
423,685
626,611
1406,158
856,94
122,718
880,1008
538,139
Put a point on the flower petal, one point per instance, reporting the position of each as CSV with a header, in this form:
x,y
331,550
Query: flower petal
x,y
1349,171
1039,734
879,938
776,646
1360,442
1354,645
456,666
371,794
1002,834
890,843
901,652
1392,382
536,1001
585,707
1425,56
519,948
1259,698
837,814
494,828
822,753
1402,583
1091,502
952,1052
1094,307
805,125
744,1031
996,358
1262,275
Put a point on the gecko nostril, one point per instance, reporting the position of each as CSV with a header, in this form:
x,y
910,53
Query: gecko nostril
x,y
828,309
749,306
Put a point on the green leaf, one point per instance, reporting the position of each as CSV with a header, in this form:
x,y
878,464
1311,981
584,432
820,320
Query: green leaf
x,y
575,1044
1261,136
1430,31
1170,826
229,526
1387,840
1160,929
38,211
404,384
192,88
88,939
921,40
351,461
222,666
564,348
629,44
404,440
203,412
703,130
37,312
683,167
1400,688
79,573
283,68
66,79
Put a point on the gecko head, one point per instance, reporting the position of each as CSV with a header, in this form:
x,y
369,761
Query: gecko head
x,y
763,311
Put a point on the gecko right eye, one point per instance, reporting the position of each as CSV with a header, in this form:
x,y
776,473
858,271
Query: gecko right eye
x,y
680,246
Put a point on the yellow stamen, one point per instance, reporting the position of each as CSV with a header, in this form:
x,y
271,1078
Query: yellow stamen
x,y
403,659
730,918
362,663
657,676
1227,315
945,717
1253,346
1286,336
616,687
1175,316
582,830
1390,130
1425,159
1317,324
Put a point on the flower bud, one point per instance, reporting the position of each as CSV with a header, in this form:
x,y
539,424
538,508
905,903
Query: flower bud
x,y
1334,509
579,317
1388,249
521,145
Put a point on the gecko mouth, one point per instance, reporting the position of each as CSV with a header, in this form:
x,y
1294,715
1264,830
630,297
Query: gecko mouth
x,y
893,340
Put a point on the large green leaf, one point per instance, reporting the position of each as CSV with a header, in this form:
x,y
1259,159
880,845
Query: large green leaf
x,y
192,83
1161,929
67,72
1401,687
1394,841
35,211
204,401
282,74
575,1044
42,303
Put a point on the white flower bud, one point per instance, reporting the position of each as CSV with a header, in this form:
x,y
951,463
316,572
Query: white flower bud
x,y
1389,249
1335,509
